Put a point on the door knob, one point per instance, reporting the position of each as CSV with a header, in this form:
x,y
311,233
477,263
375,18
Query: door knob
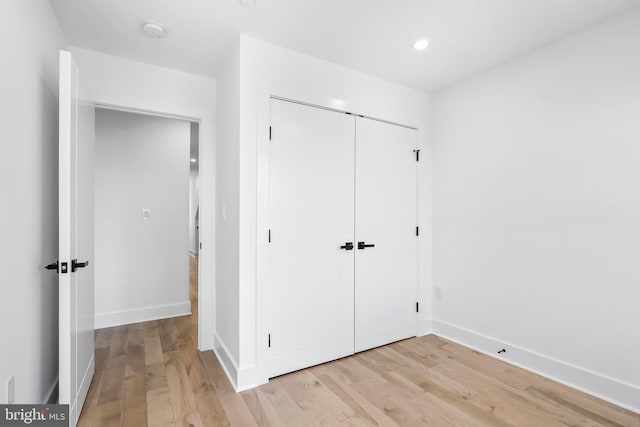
x,y
75,265
347,246
362,245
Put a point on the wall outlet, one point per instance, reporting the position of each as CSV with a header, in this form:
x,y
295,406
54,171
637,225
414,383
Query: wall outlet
x,y
11,390
437,293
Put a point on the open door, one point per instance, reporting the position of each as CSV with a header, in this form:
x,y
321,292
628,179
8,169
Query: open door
x,y
76,247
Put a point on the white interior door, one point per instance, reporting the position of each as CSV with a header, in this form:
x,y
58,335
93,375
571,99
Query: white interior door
x,y
76,228
386,269
311,217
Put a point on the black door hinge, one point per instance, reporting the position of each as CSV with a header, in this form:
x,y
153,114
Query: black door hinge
x,y
417,231
417,155
269,341
269,235
269,133
417,307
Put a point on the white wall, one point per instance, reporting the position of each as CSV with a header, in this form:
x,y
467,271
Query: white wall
x,y
29,218
142,266
266,70
134,85
537,208
226,213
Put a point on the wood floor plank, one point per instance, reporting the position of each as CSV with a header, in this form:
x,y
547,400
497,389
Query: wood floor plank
x,y
90,410
159,408
180,387
110,414
134,402
315,399
158,398
211,410
261,412
152,350
103,337
392,405
112,380
152,374
235,407
360,414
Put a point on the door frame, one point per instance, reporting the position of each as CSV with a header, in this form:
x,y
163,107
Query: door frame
x,y
206,264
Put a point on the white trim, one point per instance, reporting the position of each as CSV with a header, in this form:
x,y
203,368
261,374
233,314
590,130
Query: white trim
x,y
424,326
612,390
206,162
124,109
250,377
143,314
241,379
193,253
337,110
50,392
226,361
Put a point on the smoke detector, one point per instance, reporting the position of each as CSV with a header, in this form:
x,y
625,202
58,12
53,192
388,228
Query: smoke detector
x,y
248,3
153,30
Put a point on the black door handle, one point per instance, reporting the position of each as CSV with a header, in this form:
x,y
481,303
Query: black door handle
x,y
362,245
75,265
59,267
52,266
347,246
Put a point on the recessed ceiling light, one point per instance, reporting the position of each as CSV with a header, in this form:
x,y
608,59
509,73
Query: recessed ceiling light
x,y
248,3
421,44
194,160
153,30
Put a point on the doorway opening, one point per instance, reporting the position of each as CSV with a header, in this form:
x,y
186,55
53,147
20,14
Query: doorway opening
x,y
194,223
146,204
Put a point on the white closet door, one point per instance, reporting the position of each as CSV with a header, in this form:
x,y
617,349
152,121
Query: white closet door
x,y
311,217
386,274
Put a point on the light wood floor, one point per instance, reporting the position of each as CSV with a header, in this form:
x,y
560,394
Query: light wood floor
x,y
152,374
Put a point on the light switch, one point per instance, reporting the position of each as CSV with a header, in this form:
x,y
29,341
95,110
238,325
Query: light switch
x,y
146,214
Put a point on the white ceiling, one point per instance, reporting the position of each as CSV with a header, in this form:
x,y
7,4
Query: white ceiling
x,y
373,36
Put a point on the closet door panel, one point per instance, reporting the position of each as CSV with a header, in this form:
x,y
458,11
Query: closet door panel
x,y
311,215
386,284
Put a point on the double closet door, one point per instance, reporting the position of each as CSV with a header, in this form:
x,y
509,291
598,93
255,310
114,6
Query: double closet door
x,y
343,238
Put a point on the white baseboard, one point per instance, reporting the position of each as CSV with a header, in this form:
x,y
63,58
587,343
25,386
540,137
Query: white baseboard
x,y
250,377
143,314
609,389
424,326
224,357
241,379
193,253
